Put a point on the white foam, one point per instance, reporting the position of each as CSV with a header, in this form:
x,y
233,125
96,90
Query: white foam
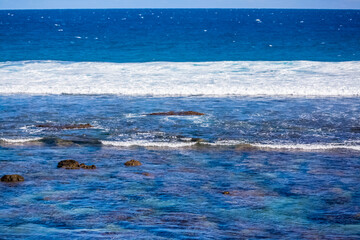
x,y
242,78
19,140
308,147
229,143
142,143
291,146
224,143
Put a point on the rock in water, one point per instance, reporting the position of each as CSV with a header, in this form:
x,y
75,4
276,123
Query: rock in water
x,y
132,163
172,113
355,129
69,164
198,140
72,164
67,126
12,178
87,166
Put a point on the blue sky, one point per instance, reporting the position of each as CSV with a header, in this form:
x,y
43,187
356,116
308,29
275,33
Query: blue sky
x,y
46,4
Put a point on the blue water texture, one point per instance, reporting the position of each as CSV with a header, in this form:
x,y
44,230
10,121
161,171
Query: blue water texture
x,y
276,154
142,35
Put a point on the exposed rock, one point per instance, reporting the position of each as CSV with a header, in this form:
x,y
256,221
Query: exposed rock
x,y
69,164
87,166
72,164
226,193
12,178
132,163
65,127
172,113
198,140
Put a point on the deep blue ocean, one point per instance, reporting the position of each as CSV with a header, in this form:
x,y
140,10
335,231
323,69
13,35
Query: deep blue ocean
x,y
276,154
183,35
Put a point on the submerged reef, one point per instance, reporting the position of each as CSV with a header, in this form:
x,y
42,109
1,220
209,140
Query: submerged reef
x,y
172,113
65,127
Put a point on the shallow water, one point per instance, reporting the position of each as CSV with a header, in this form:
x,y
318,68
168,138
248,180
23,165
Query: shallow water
x,y
178,192
276,155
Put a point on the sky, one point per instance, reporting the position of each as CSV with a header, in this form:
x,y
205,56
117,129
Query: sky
x,y
63,4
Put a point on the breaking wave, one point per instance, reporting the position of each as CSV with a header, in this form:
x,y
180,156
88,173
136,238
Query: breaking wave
x,y
19,140
240,145
141,143
236,144
307,147
240,78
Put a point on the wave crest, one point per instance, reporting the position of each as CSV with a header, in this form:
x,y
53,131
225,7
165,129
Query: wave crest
x,y
241,78
232,144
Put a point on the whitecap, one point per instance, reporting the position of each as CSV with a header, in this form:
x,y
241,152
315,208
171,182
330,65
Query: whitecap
x,y
19,140
308,147
234,143
142,143
237,78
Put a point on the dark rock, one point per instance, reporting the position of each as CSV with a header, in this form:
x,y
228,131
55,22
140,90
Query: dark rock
x,y
355,129
69,164
84,140
44,126
65,127
12,178
198,140
172,113
72,164
56,141
82,165
132,163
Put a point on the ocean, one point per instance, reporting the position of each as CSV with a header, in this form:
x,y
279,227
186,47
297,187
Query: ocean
x,y
272,151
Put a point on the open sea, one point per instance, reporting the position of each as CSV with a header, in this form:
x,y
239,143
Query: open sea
x,y
276,154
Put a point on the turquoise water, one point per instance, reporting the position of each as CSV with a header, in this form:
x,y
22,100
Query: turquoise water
x,y
275,155
274,193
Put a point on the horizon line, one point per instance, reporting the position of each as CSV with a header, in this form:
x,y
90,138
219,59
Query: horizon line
x,y
14,9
